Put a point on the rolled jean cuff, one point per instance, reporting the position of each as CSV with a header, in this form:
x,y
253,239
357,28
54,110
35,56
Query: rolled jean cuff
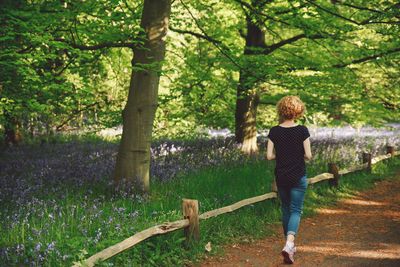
x,y
291,233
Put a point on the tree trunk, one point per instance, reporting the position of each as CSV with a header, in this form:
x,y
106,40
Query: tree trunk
x,y
12,132
247,96
245,116
133,160
336,108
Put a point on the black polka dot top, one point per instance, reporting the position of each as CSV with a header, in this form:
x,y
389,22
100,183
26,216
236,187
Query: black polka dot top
x,y
289,150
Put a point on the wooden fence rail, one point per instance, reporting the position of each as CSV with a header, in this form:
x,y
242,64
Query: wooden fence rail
x,y
237,205
191,218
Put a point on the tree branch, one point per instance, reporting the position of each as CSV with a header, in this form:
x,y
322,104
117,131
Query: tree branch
x,y
357,7
24,50
273,47
242,34
65,67
97,46
332,13
255,11
289,10
198,35
76,112
387,104
367,21
367,58
205,34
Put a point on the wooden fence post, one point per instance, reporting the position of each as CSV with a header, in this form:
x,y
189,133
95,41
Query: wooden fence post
x,y
334,169
390,150
274,187
367,158
191,212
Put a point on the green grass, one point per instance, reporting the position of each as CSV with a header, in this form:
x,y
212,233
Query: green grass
x,y
228,186
92,212
213,189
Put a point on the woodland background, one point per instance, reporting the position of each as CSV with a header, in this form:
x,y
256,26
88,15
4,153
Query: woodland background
x,y
178,66
170,73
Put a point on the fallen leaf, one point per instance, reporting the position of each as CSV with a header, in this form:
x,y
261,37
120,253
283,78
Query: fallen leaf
x,y
208,247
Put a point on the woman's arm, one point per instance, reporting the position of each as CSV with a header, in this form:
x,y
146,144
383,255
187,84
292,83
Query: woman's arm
x,y
270,150
307,148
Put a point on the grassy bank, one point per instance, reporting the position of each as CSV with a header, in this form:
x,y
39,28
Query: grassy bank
x,y
58,203
244,224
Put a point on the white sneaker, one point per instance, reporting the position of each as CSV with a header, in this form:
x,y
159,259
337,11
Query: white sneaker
x,y
288,254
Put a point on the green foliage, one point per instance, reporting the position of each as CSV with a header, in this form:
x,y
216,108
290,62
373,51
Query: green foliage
x,y
204,62
51,77
200,83
61,67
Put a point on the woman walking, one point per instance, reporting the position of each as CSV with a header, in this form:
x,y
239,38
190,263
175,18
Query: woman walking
x,y
292,144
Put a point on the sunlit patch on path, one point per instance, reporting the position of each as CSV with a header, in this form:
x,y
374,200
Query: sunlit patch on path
x,y
364,202
331,211
377,251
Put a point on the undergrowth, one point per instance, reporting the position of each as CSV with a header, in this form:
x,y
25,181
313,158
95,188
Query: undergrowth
x,y
247,223
62,210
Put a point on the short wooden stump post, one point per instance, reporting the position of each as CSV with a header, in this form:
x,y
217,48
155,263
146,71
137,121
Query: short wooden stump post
x,y
390,150
334,169
274,187
367,158
191,212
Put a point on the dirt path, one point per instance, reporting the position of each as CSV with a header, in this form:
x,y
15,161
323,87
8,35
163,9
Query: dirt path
x,y
361,231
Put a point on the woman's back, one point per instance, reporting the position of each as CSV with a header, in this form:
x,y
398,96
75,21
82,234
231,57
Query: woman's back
x,y
288,144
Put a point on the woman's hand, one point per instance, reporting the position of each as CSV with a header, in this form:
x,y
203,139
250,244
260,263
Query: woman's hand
x,y
307,149
270,150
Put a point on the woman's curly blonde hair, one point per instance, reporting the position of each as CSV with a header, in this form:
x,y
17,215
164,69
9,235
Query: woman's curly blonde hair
x,y
289,108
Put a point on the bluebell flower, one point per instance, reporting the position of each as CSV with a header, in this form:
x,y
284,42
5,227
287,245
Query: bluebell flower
x,y
38,246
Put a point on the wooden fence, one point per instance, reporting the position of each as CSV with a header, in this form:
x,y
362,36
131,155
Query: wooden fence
x,y
191,218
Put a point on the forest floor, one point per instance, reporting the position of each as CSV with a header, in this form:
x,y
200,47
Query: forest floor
x,y
360,231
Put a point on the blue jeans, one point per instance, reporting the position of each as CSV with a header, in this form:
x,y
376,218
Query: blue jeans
x,y
292,204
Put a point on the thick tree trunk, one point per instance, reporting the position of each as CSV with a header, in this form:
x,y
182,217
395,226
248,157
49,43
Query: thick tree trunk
x,y
133,160
245,116
247,96
13,136
12,132
336,108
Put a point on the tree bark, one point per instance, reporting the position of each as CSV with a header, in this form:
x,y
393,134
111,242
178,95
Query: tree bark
x,y
133,160
336,108
247,96
245,116
12,132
